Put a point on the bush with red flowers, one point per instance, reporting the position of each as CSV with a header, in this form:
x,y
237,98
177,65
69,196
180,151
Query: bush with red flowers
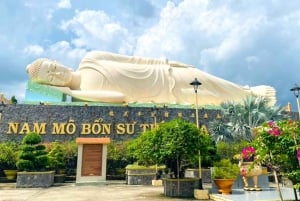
x,y
277,145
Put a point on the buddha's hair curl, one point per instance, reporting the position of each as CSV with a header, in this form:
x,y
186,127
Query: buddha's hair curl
x,y
34,68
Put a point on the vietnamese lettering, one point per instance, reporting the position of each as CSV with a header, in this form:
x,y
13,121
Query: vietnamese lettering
x,y
97,127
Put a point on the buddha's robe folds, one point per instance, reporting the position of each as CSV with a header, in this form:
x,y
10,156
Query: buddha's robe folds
x,y
159,81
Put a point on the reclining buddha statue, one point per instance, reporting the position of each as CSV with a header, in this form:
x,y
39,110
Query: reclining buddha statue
x,y
113,78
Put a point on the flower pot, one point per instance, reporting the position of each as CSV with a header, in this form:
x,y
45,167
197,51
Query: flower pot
x,y
247,170
224,185
35,179
10,174
180,187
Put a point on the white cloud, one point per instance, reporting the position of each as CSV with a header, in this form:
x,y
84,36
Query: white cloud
x,y
164,38
96,30
65,53
60,47
61,51
64,4
33,50
196,26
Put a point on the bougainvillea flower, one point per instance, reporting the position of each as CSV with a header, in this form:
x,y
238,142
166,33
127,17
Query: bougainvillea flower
x,y
275,131
248,152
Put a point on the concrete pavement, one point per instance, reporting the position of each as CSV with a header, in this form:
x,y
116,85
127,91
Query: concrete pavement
x,y
72,192
119,191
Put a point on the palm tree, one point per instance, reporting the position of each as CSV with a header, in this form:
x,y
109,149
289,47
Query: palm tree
x,y
239,119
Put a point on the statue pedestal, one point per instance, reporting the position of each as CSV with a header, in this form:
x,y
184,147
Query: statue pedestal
x,y
263,180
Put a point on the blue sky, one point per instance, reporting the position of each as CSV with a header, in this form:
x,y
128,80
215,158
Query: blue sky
x,y
251,43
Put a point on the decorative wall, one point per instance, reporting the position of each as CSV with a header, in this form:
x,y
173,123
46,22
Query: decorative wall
x,y
68,122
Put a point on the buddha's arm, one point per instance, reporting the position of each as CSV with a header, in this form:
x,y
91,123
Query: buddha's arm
x,y
99,96
93,95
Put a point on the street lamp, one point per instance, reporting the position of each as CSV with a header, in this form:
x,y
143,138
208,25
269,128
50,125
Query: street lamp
x,y
195,83
296,91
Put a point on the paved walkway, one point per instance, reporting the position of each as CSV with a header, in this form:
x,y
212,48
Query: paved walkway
x,y
122,192
270,194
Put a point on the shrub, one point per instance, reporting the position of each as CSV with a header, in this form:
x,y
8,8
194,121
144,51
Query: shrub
x,y
33,155
226,150
118,158
225,169
70,152
57,159
8,155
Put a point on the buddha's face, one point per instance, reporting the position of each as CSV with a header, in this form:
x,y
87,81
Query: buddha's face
x,y
52,73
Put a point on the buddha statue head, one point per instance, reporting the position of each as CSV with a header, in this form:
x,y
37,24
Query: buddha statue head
x,y
45,71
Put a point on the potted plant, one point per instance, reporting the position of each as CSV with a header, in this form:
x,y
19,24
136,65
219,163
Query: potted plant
x,y
8,159
250,168
174,144
224,175
32,163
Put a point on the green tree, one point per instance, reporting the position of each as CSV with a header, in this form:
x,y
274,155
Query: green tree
x,y
13,100
239,119
174,144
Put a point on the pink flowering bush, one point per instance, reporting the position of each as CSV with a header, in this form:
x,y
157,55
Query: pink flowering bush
x,y
277,145
248,153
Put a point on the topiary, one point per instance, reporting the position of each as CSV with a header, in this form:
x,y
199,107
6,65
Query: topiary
x,y
33,155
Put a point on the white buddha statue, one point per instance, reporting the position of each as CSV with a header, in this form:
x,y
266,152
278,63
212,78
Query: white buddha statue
x,y
108,77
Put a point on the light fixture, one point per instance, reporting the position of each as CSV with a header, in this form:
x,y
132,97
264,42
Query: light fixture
x,y
296,90
195,83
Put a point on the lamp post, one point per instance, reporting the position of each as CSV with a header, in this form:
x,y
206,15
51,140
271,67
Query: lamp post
x,y
1,109
195,83
296,91
154,114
